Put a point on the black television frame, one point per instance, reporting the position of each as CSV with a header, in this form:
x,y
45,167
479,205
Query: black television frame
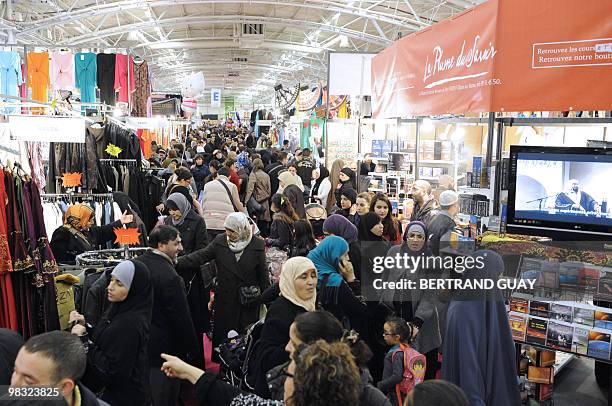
x,y
557,230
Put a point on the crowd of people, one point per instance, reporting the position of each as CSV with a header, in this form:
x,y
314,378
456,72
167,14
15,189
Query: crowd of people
x,y
227,205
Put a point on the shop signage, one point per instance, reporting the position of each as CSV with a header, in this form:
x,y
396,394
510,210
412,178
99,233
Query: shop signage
x,y
127,236
113,150
47,129
72,179
215,97
146,123
500,56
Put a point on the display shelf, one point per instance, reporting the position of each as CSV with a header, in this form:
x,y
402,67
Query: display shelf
x,y
429,162
475,191
562,360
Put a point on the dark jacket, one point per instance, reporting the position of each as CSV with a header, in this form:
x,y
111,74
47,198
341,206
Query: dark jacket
x,y
304,170
296,197
281,234
193,232
425,213
440,224
88,398
231,275
10,343
199,176
95,301
273,170
66,246
172,330
270,351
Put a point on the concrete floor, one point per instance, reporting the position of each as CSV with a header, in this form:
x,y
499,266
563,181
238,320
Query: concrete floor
x,y
575,385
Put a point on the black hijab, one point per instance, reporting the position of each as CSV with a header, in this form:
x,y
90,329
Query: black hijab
x,y
138,303
366,222
351,181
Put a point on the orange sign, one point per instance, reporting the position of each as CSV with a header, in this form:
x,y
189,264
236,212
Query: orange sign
x,y
127,236
503,55
72,179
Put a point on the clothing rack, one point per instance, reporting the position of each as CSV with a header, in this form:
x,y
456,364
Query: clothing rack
x,y
116,160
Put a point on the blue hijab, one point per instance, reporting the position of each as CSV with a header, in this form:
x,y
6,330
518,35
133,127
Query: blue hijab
x,y
326,258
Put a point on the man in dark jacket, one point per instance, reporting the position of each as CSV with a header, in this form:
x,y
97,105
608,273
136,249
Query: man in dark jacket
x,y
172,330
55,359
304,170
444,220
275,168
425,204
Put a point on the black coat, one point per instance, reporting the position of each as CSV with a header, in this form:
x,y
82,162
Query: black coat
x,y
281,234
10,343
273,170
231,275
193,232
270,351
172,330
95,302
88,398
439,225
66,246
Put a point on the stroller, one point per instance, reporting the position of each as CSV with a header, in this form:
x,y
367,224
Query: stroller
x,y
236,357
316,214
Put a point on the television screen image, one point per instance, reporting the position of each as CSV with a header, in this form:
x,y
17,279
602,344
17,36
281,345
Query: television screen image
x,y
561,189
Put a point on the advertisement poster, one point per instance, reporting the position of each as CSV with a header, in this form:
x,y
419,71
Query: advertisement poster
x,y
342,140
313,137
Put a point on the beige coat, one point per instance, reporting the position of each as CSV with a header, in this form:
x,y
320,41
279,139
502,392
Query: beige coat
x,y
217,204
259,187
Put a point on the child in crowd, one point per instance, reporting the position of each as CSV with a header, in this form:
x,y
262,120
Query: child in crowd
x,y
303,239
398,334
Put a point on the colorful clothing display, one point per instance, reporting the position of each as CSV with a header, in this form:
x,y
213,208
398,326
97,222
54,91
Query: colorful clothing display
x,y
106,78
10,75
38,75
142,89
62,70
121,77
86,70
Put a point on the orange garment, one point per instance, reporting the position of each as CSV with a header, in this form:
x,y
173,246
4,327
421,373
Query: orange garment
x,y
145,137
38,75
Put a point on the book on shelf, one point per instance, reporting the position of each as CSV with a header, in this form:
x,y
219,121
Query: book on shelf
x,y
561,312
584,315
539,308
560,335
536,330
519,305
476,171
603,319
604,285
580,340
505,173
518,326
599,344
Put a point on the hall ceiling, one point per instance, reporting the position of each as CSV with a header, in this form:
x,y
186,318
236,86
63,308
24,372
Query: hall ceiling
x,y
179,37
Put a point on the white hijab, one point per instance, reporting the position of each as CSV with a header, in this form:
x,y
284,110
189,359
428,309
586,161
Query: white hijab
x,y
293,269
239,223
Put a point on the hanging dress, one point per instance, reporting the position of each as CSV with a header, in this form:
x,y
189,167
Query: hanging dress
x,y
8,311
121,77
11,77
85,68
142,89
38,75
62,70
106,78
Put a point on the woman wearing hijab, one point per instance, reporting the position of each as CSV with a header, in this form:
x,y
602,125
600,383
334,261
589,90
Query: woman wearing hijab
x,y
241,263
117,348
414,305
191,226
347,201
287,183
340,226
337,286
320,185
78,234
479,353
298,294
347,181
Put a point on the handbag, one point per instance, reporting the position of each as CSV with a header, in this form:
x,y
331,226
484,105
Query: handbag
x,y
254,228
249,295
254,207
208,272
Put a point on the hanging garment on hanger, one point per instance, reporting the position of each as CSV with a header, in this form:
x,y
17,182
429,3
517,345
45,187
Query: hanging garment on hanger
x,y
62,71
121,77
38,75
8,310
10,76
85,67
106,78
142,89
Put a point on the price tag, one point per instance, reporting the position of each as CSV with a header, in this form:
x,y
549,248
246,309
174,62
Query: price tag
x,y
127,236
72,179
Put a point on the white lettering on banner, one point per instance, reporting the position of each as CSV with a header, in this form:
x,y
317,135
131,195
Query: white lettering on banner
x,y
47,129
465,59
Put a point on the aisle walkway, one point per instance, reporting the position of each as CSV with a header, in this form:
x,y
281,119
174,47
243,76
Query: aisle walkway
x,y
575,385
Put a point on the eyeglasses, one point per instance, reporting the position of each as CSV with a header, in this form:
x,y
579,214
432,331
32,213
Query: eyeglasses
x,y
389,334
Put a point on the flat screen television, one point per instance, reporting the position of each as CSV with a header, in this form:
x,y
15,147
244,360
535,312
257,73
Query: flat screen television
x,y
560,192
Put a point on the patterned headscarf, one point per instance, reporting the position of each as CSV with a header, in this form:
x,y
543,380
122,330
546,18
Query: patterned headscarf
x,y
78,216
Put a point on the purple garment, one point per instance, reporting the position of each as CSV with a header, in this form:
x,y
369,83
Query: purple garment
x,y
340,226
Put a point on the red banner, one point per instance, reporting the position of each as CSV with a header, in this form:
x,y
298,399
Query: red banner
x,y
503,55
